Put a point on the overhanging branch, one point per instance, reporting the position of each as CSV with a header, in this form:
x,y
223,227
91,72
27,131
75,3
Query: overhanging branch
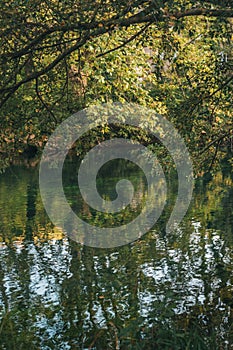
x,y
228,12
93,29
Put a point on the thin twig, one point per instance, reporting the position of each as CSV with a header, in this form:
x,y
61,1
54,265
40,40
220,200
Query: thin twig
x,y
214,141
42,101
95,338
125,42
116,335
215,155
222,86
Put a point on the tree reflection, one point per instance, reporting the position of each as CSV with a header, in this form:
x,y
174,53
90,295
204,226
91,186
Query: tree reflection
x,y
160,292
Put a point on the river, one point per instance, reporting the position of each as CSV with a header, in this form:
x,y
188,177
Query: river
x,y
162,291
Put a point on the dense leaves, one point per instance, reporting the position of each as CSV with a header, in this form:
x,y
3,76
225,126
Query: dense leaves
x,y
173,56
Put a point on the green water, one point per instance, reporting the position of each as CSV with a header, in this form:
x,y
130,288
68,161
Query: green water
x,y
160,292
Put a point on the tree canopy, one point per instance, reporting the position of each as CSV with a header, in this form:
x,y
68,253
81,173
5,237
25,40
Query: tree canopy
x,y
57,57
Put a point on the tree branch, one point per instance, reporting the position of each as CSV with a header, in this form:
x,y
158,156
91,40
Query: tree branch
x,y
205,12
215,155
93,29
125,42
14,88
43,102
146,16
217,140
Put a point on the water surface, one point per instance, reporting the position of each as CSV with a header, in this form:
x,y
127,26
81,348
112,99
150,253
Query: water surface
x,y
160,292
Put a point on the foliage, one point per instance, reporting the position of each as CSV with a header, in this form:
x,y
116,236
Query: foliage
x,y
59,57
